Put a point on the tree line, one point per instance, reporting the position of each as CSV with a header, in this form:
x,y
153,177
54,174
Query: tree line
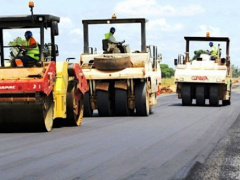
x,y
235,71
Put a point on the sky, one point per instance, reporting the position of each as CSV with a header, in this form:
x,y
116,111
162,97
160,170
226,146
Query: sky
x,y
168,23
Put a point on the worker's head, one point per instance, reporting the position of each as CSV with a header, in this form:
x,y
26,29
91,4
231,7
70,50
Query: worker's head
x,y
28,34
112,30
211,44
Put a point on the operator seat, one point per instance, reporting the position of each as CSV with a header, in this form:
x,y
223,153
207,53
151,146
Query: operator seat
x,y
105,45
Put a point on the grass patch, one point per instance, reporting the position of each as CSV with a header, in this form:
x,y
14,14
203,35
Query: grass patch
x,y
167,81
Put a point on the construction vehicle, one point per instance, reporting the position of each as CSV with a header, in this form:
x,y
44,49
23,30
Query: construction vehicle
x,y
120,83
205,77
32,97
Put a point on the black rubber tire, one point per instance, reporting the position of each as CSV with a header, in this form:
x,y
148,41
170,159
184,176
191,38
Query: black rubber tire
x,y
121,102
186,95
226,102
88,111
214,95
104,103
200,95
142,99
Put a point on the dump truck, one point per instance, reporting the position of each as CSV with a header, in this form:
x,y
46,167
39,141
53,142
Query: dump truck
x,y
120,83
205,77
32,97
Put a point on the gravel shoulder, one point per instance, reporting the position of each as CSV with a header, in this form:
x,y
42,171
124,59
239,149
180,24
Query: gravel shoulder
x,y
223,163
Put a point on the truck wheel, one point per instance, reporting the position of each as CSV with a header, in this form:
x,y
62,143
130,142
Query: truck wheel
x,y
74,109
141,99
213,95
186,95
104,103
88,111
226,102
121,102
200,95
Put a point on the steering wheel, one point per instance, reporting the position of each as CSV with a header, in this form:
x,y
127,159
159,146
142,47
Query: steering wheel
x,y
19,51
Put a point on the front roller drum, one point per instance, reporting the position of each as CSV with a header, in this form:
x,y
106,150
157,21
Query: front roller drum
x,y
34,116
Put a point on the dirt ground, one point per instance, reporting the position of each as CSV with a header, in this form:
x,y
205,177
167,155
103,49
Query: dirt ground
x,y
168,89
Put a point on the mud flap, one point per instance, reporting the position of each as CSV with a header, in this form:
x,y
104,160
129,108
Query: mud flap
x,y
104,86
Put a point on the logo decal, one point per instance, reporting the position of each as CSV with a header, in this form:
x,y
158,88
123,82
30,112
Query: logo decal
x,y
201,78
7,87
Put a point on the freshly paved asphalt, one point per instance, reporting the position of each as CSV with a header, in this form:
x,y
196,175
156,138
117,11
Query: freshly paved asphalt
x,y
164,145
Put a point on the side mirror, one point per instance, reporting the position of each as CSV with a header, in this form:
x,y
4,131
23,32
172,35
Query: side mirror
x,y
159,57
56,50
54,28
175,62
228,63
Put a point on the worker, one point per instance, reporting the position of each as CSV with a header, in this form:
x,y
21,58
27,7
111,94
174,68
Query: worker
x,y
213,52
31,57
112,39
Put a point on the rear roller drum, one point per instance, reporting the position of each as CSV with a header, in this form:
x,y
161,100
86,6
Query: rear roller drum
x,y
214,95
88,111
142,99
200,95
186,95
121,102
104,103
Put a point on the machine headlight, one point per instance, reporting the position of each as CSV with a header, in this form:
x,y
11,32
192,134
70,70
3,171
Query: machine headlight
x,y
181,79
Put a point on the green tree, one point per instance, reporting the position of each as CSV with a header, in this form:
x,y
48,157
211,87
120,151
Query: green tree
x,y
167,72
198,53
235,71
16,42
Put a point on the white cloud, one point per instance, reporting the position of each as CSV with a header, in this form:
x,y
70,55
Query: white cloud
x,y
153,8
162,25
214,31
76,31
65,23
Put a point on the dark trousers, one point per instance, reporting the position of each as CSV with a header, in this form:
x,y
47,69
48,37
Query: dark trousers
x,y
120,47
27,61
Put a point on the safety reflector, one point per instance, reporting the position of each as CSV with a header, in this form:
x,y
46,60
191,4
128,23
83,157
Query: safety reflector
x,y
19,62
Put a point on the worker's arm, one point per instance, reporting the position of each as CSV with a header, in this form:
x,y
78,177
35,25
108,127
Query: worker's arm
x,y
29,47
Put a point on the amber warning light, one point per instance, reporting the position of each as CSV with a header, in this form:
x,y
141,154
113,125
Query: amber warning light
x,y
31,4
208,34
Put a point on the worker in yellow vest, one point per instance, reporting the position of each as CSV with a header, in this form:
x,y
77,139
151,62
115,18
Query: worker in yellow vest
x,y
112,39
31,56
213,52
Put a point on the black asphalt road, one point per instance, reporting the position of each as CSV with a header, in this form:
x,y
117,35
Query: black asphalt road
x,y
162,146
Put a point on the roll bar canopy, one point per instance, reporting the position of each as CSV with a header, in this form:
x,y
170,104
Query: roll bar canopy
x,y
142,21
219,39
30,21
